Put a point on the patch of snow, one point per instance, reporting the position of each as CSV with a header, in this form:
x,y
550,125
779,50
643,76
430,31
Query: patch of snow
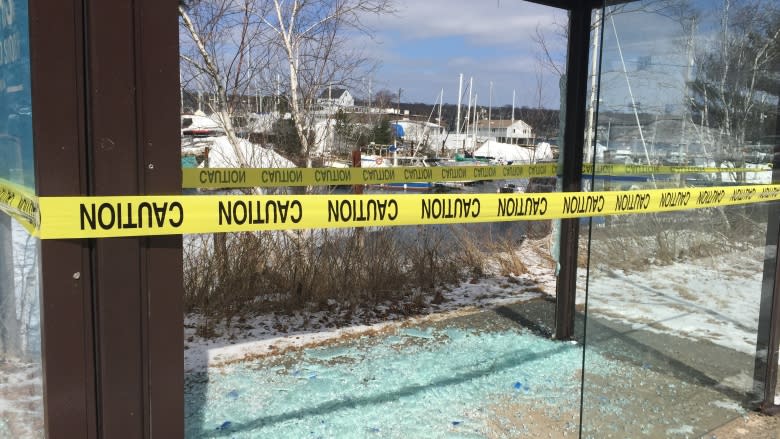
x,y
223,155
729,405
714,299
681,430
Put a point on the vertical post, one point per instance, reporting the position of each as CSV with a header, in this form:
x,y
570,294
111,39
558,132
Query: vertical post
x,y
768,337
356,163
571,180
106,122
59,110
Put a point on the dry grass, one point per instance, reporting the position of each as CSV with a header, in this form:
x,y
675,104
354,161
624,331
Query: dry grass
x,y
230,277
238,275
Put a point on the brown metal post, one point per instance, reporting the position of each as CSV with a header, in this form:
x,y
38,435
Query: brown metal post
x,y
106,122
133,137
356,163
57,77
573,139
160,122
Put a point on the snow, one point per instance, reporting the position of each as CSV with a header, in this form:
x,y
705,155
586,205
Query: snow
x,y
509,153
223,155
303,328
715,299
762,174
200,121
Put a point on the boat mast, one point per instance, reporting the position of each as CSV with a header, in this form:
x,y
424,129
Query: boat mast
x,y
631,94
468,113
513,107
490,109
590,148
474,127
457,117
441,126
441,101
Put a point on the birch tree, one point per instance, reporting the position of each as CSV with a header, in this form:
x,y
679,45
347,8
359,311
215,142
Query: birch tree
x,y
312,36
223,51
728,93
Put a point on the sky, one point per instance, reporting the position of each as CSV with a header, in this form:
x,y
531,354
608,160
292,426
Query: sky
x,y
426,45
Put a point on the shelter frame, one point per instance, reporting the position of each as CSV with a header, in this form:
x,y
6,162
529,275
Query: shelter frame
x,y
105,79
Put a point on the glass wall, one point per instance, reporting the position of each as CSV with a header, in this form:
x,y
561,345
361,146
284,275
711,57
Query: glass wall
x,y
21,394
686,99
429,331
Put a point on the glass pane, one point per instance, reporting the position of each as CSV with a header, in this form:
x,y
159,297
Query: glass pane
x,y
21,392
673,300
435,331
16,143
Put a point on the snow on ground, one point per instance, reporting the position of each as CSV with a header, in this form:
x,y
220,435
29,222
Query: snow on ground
x,y
274,333
715,299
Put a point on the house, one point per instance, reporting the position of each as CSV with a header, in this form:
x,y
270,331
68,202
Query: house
x,y
336,97
506,131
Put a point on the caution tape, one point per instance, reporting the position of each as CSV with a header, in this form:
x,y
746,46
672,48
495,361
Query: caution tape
x,y
620,170
20,203
279,177
102,217
221,178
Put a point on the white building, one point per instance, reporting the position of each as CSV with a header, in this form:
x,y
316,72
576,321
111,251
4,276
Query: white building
x,y
336,97
506,131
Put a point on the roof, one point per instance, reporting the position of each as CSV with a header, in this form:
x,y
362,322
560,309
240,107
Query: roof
x,y
333,93
499,123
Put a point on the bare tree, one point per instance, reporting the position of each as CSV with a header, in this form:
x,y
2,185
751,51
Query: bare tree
x,y
384,98
312,36
10,343
727,93
224,53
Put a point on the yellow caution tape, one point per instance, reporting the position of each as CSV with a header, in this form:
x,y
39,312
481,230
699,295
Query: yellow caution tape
x,y
99,217
279,177
219,178
20,203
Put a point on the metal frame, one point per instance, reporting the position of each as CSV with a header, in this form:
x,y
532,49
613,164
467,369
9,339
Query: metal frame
x,y
768,336
106,117
573,145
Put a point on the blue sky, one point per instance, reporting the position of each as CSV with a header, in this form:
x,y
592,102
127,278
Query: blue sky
x,y
427,44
